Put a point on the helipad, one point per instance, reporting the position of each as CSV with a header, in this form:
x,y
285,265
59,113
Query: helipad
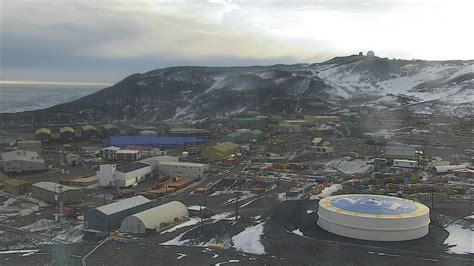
x,y
373,217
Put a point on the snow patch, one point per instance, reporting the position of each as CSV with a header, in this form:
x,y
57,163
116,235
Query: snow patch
x,y
249,240
460,239
327,191
297,232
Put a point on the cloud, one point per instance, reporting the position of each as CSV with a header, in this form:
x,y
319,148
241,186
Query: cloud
x,y
104,40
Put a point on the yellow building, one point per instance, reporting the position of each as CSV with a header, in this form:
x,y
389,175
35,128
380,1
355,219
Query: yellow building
x,y
219,151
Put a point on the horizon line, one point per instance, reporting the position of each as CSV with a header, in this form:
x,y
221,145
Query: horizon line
x,y
51,82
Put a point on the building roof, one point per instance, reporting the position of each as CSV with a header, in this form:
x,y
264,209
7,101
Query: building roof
x,y
152,218
89,127
183,164
53,187
43,130
153,140
66,129
109,126
15,182
22,155
317,140
123,205
132,167
226,146
127,152
139,148
111,148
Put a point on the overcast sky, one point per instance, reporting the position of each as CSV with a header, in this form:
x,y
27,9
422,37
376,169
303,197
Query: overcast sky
x,y
106,40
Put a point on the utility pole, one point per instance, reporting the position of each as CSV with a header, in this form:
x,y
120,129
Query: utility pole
x,y
200,215
432,199
237,208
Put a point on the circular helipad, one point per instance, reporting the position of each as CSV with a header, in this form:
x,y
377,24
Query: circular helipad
x,y
373,217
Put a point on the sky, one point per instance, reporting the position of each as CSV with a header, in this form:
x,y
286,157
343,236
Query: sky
x,y
104,41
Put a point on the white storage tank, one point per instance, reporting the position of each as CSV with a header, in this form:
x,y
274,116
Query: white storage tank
x,y
155,219
374,217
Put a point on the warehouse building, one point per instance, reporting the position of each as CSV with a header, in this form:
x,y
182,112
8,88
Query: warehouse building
x,y
400,152
156,219
108,153
72,159
244,136
373,217
54,192
156,160
157,142
43,134
322,118
123,176
146,151
220,151
289,128
127,155
29,145
89,132
108,130
445,169
183,169
189,132
20,161
109,217
16,186
67,134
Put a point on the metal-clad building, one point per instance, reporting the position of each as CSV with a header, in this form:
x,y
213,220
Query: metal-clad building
x,y
109,130
17,186
54,192
29,145
43,134
155,219
108,217
89,131
67,133
400,152
157,142
22,161
220,151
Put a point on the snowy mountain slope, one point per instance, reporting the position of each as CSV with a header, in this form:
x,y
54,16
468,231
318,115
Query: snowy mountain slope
x,y
199,93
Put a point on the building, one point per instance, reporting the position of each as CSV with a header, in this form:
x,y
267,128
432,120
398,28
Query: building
x,y
373,217
108,153
400,152
108,217
127,155
90,149
289,128
89,132
147,132
123,176
189,132
183,169
43,134
54,192
157,142
322,119
108,130
382,134
220,151
317,142
145,151
20,161
156,160
72,159
405,163
29,145
155,219
67,134
445,169
16,186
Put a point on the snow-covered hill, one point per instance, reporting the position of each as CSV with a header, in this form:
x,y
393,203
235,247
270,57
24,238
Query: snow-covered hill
x,y
198,93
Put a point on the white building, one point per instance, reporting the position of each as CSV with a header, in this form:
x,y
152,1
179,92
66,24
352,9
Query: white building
x,y
123,176
72,159
22,161
405,163
127,155
183,169
155,219
373,217
155,160
108,153
29,145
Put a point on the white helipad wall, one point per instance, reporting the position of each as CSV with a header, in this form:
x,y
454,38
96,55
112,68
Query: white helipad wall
x,y
373,217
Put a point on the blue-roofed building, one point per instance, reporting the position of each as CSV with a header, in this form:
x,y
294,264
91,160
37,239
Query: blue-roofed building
x,y
157,142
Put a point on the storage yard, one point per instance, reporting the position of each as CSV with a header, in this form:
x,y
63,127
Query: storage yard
x,y
257,191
